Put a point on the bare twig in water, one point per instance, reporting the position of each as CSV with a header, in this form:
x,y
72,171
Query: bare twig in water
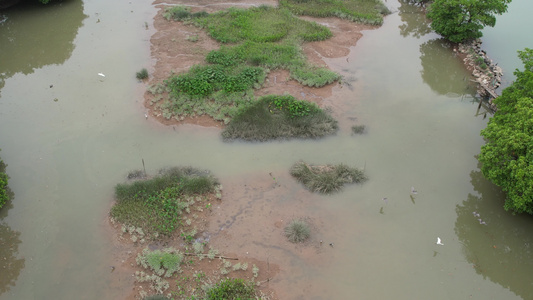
x,y
206,255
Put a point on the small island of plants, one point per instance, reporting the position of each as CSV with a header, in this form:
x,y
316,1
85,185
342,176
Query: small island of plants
x,y
326,179
254,42
280,117
163,218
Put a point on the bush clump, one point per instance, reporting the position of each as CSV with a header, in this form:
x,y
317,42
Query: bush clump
x,y
326,179
280,117
297,231
155,204
231,289
142,74
358,129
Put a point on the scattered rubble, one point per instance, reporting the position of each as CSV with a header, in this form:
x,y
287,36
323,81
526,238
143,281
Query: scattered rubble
x,y
487,73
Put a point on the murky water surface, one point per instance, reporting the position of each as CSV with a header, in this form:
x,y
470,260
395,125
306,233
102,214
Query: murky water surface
x,y
70,135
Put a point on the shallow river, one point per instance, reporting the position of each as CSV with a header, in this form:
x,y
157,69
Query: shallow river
x,y
69,135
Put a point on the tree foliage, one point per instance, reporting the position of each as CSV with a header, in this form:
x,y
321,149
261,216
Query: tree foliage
x,y
4,195
461,20
507,157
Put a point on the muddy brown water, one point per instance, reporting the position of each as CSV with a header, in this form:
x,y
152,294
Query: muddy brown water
x,y
69,144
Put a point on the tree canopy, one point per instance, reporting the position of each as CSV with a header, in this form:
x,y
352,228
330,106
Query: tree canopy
x,y
507,157
461,20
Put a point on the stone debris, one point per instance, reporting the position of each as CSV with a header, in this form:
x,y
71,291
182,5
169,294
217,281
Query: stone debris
x,y
487,73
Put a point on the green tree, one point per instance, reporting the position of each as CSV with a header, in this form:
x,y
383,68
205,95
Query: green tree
x,y
4,194
461,20
507,157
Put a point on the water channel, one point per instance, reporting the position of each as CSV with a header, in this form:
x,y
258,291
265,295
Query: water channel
x,y
69,135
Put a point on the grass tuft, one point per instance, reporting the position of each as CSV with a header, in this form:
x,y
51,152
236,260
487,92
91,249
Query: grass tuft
x,y
280,117
358,129
142,74
326,179
231,289
297,231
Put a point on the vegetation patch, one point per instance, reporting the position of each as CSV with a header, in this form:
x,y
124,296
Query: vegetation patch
x,y
507,156
156,205
358,129
163,262
326,179
142,74
297,231
232,289
280,117
362,11
255,41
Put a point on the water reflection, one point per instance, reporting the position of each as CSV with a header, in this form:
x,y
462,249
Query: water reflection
x,y
25,46
10,264
414,20
442,70
500,250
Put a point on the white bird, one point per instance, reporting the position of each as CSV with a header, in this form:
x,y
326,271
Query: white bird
x,y
101,74
413,191
439,242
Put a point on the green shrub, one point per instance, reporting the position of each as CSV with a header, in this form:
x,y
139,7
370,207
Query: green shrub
x,y
326,179
280,117
297,231
142,74
231,289
202,81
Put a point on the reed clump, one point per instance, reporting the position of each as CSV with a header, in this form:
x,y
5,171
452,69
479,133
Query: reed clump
x,y
142,74
297,231
358,129
326,179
